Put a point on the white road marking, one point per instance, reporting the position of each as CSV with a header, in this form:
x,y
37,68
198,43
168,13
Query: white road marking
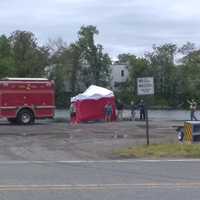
x,y
98,161
98,186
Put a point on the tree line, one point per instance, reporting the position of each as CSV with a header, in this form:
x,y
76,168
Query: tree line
x,y
176,72
75,66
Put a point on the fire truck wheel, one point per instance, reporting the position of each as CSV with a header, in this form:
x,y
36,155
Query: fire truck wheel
x,y
25,117
12,120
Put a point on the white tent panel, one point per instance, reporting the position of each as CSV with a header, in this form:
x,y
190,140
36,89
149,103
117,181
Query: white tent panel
x,y
93,92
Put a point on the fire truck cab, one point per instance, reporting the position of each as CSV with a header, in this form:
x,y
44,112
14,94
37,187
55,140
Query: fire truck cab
x,y
22,100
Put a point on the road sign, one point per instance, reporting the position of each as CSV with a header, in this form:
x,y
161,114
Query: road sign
x,y
145,86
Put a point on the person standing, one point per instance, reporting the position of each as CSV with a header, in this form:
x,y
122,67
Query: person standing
x,y
72,110
193,107
133,110
108,112
141,107
120,108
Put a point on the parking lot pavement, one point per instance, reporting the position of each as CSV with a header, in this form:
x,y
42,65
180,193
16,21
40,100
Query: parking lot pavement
x,y
49,140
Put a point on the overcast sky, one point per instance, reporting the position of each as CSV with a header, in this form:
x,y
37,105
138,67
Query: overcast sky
x,y
124,26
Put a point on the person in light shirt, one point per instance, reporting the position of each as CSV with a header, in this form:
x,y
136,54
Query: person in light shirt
x,y
193,107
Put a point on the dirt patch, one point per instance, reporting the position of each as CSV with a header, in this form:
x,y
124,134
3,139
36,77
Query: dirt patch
x,y
48,140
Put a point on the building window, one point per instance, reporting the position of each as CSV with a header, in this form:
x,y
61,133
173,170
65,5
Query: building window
x,y
122,73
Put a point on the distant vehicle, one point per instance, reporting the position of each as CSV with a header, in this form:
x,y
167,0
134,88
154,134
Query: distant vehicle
x,y
22,100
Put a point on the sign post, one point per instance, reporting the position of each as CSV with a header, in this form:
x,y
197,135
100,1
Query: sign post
x,y
145,86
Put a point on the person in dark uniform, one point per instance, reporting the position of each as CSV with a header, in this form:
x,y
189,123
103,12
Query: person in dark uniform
x,y
141,107
120,108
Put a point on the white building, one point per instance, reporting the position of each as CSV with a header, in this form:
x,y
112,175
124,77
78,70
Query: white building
x,y
119,75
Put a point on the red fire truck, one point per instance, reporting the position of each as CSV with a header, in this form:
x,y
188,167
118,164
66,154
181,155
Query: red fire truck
x,y
22,100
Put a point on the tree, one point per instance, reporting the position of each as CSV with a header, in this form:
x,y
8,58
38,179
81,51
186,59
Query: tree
x,y
57,69
96,68
125,58
65,69
190,74
164,70
6,58
30,59
138,67
187,48
75,67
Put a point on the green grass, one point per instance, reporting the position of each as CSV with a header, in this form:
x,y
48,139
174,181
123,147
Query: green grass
x,y
160,151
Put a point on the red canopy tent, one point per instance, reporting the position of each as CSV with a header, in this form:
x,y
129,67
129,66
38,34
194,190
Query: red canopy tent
x,y
90,105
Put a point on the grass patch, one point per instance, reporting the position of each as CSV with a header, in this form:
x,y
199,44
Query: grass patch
x,y
160,151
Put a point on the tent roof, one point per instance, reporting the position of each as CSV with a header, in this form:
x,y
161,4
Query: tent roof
x,y
93,92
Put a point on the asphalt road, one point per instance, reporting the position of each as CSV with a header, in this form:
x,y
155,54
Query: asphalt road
x,y
97,180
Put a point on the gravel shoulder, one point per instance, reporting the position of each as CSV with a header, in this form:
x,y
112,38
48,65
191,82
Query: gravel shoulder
x,y
49,140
